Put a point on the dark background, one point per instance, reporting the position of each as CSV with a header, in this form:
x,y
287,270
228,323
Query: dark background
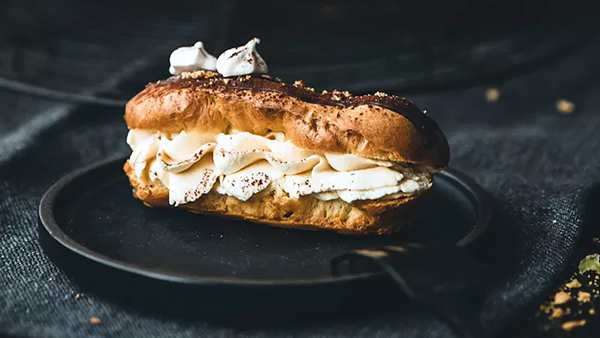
x,y
389,45
67,67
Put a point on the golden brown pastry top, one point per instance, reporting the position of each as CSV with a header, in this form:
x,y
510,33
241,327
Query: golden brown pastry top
x,y
379,126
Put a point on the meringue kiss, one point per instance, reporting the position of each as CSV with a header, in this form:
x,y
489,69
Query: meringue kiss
x,y
189,59
243,60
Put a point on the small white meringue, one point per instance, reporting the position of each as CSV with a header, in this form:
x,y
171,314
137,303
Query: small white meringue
x,y
189,59
243,60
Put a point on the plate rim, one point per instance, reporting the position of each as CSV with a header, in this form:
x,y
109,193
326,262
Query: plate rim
x,y
473,191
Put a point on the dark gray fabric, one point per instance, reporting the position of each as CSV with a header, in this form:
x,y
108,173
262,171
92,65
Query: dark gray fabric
x,y
535,162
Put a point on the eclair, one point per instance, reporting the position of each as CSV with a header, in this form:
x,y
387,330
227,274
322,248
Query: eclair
x,y
221,137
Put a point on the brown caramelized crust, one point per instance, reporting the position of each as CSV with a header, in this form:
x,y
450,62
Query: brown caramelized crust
x,y
273,207
379,126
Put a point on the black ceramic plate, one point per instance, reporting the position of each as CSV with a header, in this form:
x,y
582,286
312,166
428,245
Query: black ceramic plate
x,y
111,244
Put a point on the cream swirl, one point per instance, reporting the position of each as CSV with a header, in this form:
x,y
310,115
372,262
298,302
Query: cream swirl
x,y
242,164
189,59
243,60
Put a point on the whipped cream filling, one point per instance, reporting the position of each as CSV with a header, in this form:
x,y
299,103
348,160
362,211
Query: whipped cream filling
x,y
241,165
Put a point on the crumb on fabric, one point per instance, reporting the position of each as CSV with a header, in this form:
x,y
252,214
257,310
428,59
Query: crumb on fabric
x,y
565,107
545,308
78,295
571,304
557,313
492,94
561,297
573,324
583,296
95,320
372,253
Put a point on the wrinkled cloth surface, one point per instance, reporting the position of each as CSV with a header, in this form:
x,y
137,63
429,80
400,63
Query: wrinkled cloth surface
x,y
536,163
